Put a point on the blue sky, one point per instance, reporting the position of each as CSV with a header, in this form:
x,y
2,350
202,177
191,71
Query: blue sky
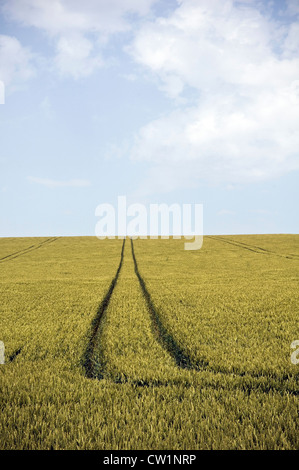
x,y
190,101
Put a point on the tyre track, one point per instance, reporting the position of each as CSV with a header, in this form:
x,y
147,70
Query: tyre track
x,y
183,360
254,248
29,249
15,354
93,368
248,382
259,248
256,385
163,336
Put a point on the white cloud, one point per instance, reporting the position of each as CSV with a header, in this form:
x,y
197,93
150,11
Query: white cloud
x,y
224,139
243,68
209,43
291,43
49,183
74,56
16,61
78,28
58,17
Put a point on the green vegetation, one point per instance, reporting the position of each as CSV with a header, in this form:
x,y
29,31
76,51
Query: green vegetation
x,y
166,349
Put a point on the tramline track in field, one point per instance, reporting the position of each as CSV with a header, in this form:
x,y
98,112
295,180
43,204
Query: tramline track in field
x,y
27,250
253,248
92,367
98,364
164,337
183,360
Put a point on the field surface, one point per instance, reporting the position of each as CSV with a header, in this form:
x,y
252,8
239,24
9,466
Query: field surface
x,y
139,344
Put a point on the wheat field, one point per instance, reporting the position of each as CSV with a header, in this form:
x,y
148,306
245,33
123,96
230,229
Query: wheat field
x,y
138,344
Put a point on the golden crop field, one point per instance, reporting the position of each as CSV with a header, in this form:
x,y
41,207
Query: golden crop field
x,y
139,344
